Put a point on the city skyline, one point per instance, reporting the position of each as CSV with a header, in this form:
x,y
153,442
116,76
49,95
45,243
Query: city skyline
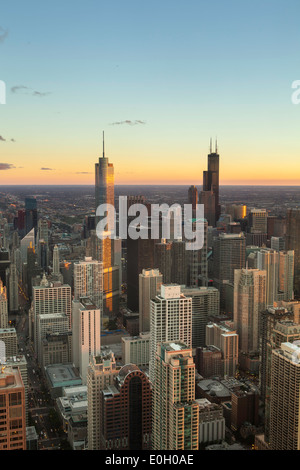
x,y
158,82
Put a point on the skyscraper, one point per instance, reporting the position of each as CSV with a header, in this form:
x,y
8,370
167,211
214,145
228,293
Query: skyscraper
x,y
12,405
229,253
249,302
205,303
170,320
175,412
163,259
31,217
150,281
3,306
104,194
100,374
127,411
285,398
104,247
209,195
86,333
56,270
88,280
293,242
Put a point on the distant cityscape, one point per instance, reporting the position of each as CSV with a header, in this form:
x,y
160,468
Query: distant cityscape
x,y
140,344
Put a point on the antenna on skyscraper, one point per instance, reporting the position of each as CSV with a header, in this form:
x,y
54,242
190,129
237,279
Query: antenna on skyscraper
x,y
103,143
210,147
216,146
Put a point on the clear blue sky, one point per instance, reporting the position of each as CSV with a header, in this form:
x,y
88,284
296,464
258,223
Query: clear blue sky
x,y
180,71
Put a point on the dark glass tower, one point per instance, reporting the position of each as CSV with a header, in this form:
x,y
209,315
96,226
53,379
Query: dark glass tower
x,y
210,191
30,214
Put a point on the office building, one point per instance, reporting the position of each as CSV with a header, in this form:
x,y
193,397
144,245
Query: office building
x,y
249,302
127,411
150,281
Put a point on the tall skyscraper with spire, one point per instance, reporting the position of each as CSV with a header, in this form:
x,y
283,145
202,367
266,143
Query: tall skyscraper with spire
x,y
209,196
104,194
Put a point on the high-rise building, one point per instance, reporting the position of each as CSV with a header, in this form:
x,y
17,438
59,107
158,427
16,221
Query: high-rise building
x,y
285,398
193,198
163,259
258,220
249,302
170,320
175,411
9,338
150,281
13,289
56,270
3,306
88,280
293,243
179,262
209,195
268,260
127,411
205,303
26,242
53,297
277,243
104,194
100,374
229,253
140,255
269,317
49,323
12,406
196,260
286,274
31,215
224,337
136,349
86,333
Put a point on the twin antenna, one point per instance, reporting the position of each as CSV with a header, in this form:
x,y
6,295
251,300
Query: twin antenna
x,y
103,144
210,147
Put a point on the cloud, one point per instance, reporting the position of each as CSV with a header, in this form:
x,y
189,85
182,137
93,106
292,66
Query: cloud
x,y
128,122
3,34
6,166
47,169
12,140
25,90
83,173
2,139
